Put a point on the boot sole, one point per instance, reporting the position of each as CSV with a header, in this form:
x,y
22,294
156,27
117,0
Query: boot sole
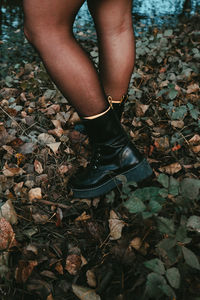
x,y
137,174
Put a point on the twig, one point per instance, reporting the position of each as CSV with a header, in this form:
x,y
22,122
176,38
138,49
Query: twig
x,y
5,112
53,203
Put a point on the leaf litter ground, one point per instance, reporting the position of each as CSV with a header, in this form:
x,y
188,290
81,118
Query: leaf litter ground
x,y
136,242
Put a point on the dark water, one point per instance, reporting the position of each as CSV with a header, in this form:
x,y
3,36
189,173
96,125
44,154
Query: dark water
x,y
145,13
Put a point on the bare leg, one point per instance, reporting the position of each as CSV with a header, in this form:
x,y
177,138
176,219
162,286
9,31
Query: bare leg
x,y
113,21
48,26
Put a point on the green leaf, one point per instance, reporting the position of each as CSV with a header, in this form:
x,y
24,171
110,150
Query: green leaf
x,y
165,225
164,180
167,243
190,258
173,186
163,193
173,276
194,113
168,291
153,285
148,193
154,206
172,94
181,234
134,205
193,223
179,112
155,265
190,188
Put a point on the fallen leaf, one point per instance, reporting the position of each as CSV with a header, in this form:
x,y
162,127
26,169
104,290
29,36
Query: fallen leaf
x,y
35,193
196,149
27,148
40,218
63,169
46,138
91,278
38,166
54,146
171,169
84,293
192,88
73,263
140,109
8,212
59,268
7,235
116,225
195,139
24,270
178,123
13,171
83,217
136,243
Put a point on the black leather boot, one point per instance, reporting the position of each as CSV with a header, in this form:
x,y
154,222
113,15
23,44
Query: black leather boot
x,y
113,154
118,105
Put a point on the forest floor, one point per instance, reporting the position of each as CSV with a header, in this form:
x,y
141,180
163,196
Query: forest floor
x,y
137,242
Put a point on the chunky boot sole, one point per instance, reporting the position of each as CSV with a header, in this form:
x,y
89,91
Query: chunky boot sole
x,y
137,174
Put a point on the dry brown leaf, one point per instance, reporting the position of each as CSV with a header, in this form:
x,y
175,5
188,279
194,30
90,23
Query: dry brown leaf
x,y
59,268
171,169
84,293
57,132
192,88
40,219
46,138
8,212
74,118
195,139
115,226
9,149
91,278
7,235
140,109
136,243
178,124
24,270
196,149
162,143
13,171
50,297
38,166
83,217
54,146
35,193
73,263
63,169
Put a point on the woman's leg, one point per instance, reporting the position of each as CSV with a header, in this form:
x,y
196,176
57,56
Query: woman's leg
x,y
48,26
113,21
